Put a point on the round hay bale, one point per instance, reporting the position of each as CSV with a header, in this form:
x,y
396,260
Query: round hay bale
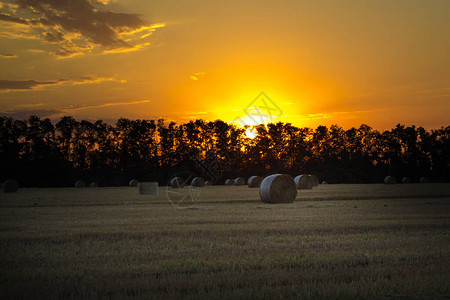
x,y
198,182
278,188
148,188
229,182
254,181
80,184
424,180
10,186
324,182
390,180
208,183
177,182
406,180
133,183
239,181
304,182
315,180
93,184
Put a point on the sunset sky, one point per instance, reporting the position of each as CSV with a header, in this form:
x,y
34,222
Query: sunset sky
x,y
323,62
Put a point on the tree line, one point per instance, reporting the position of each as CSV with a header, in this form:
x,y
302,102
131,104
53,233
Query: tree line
x,y
38,153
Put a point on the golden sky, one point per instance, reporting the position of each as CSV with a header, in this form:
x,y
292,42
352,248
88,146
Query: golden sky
x,y
323,62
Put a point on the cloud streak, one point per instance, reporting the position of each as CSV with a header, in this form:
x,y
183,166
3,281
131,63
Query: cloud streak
x,y
26,85
7,55
90,106
26,110
9,85
76,27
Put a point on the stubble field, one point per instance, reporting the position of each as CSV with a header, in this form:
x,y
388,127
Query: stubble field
x,y
334,242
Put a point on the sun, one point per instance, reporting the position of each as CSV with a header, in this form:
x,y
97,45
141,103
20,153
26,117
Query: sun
x,y
249,124
251,133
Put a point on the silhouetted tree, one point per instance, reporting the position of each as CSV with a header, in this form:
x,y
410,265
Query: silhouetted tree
x,y
38,153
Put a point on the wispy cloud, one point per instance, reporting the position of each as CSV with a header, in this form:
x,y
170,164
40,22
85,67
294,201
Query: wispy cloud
x,y
26,106
331,115
127,49
16,33
104,2
90,106
36,51
26,85
197,75
75,27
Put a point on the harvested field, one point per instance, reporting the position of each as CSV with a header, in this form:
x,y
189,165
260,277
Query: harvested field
x,y
335,241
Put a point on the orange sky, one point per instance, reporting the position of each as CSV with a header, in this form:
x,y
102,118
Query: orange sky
x,y
320,62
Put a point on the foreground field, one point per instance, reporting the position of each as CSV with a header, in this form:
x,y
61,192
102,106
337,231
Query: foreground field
x,y
334,242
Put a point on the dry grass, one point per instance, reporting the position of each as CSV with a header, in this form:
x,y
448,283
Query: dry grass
x,y
111,243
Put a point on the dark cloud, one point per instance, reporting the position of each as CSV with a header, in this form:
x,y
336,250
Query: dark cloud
x,y
53,37
25,84
9,18
79,25
8,55
17,85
